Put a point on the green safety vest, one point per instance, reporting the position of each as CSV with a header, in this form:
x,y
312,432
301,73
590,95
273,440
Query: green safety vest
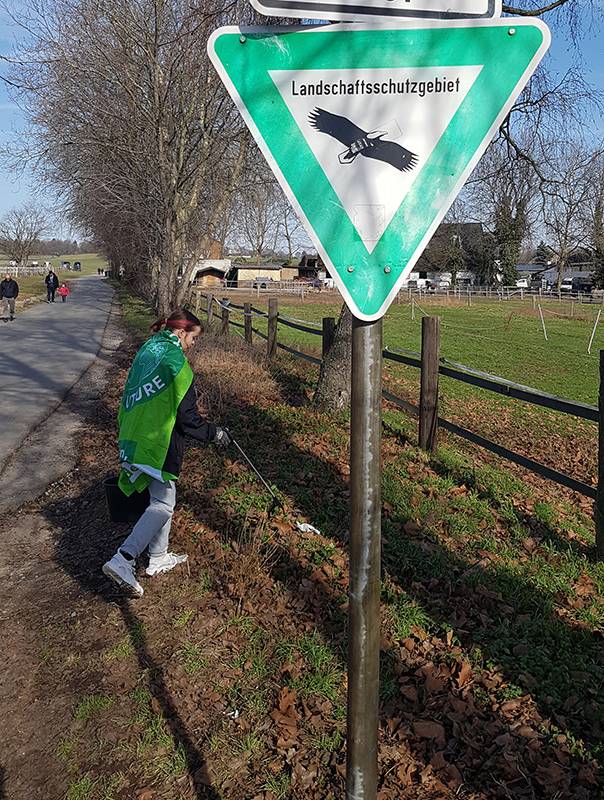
x,y
159,378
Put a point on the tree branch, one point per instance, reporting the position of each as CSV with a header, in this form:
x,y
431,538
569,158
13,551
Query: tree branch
x,y
533,12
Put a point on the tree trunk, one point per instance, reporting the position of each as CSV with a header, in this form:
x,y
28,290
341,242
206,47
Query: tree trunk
x,y
150,289
164,294
561,267
333,389
220,210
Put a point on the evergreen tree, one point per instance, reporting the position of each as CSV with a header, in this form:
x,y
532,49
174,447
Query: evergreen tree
x,y
542,254
510,227
598,244
455,261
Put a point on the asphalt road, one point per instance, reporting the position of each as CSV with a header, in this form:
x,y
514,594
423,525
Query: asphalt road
x,y
43,352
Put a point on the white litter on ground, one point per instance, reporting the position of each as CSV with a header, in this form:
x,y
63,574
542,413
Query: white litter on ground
x,y
305,527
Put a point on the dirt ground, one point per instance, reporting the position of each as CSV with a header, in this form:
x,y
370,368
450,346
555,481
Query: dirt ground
x,y
227,679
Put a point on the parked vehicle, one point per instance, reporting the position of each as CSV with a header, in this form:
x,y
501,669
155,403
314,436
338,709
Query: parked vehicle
x,y
566,285
261,282
582,285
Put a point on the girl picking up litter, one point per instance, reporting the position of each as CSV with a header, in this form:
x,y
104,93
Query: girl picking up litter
x,y
158,409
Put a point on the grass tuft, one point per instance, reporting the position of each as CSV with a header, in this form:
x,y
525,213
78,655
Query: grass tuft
x,y
80,789
91,705
278,786
182,619
192,657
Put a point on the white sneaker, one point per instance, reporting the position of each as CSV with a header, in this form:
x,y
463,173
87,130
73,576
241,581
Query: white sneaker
x,y
164,563
120,570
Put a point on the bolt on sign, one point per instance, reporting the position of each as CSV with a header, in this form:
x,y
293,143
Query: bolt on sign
x,y
372,129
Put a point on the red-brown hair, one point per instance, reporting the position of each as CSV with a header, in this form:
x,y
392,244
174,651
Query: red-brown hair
x,y
180,320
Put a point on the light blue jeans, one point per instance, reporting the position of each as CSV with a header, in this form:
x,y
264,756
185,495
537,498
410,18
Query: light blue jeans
x,y
153,528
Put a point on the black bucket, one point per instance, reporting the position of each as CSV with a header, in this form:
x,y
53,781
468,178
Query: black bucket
x,y
121,507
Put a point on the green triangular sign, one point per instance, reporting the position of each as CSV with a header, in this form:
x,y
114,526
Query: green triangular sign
x,y
372,130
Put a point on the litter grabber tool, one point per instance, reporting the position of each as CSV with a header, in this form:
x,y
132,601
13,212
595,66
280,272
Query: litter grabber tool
x,y
276,502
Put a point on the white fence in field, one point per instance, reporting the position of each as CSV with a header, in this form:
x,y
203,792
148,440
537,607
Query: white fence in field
x,y
23,272
457,294
504,293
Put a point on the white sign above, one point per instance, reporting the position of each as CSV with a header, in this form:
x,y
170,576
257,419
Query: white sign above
x,y
356,10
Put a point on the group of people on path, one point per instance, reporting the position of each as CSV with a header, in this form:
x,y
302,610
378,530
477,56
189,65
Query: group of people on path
x,y
52,286
9,291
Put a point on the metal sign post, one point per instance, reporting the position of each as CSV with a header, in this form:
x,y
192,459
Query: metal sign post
x,y
364,585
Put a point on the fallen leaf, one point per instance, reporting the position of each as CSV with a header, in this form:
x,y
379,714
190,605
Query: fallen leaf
x,y
464,674
427,729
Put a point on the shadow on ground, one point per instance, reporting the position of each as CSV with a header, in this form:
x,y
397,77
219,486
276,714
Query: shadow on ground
x,y
87,540
489,610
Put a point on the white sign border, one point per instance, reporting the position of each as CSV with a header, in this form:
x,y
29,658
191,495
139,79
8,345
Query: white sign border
x,y
272,30
340,12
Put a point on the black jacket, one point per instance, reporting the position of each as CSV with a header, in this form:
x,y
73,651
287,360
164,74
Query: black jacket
x,y
52,281
9,288
188,423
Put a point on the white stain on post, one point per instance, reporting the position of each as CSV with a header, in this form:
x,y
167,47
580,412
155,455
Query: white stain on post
x,y
357,790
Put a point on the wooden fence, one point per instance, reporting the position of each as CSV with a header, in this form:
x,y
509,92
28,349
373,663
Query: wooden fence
x,y
431,366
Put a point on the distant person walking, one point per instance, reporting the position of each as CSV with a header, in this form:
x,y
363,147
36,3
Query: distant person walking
x,y
64,291
9,291
52,284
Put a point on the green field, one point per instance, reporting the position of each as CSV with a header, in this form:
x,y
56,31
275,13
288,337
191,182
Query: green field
x,y
503,338
33,285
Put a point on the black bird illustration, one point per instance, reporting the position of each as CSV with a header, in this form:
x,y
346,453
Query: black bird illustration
x,y
359,142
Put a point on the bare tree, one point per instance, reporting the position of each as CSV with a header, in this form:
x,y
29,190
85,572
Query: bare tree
x,y
291,230
258,215
568,199
130,123
506,196
20,230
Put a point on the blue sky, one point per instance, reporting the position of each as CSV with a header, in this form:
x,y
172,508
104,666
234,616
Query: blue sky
x,y
17,189
11,193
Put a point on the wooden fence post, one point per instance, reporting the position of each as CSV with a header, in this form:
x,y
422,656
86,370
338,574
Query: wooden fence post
x,y
224,327
197,301
329,329
247,322
210,310
273,313
428,403
599,508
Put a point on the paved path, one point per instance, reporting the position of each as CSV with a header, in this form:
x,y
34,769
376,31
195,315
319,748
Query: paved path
x,y
43,353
